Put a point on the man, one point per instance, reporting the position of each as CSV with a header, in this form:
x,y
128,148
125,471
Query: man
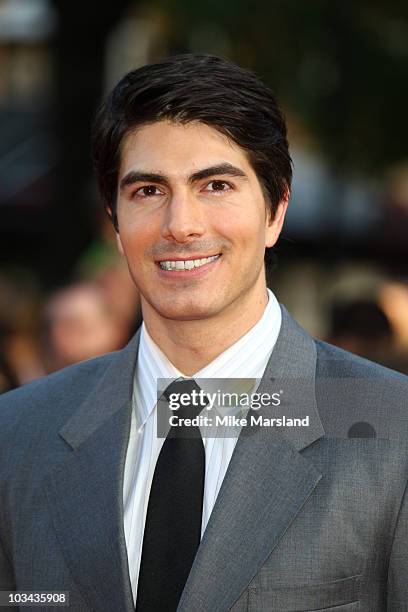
x,y
193,164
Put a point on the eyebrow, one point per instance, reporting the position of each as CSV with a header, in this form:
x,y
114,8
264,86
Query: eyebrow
x,y
135,176
225,168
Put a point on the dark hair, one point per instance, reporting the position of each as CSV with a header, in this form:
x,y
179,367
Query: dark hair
x,y
193,87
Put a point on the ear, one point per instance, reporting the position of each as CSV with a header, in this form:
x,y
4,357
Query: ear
x,y
116,227
274,224
119,244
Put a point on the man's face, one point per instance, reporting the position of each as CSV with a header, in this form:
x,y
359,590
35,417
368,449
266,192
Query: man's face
x,y
193,222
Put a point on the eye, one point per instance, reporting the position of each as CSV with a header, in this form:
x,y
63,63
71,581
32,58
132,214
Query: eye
x,y
218,187
147,191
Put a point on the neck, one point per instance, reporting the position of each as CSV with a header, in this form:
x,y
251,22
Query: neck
x,y
191,345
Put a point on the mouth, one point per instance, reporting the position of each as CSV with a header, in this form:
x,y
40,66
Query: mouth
x,y
183,265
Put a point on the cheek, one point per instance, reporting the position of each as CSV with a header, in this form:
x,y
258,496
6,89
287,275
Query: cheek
x,y
134,239
246,231
138,227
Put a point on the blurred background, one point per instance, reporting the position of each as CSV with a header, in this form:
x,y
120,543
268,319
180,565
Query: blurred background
x,y
340,71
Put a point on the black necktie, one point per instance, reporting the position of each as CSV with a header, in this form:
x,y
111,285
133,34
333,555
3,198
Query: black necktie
x,y
173,521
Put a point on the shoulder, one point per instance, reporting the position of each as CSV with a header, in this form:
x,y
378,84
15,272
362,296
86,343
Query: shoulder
x,y
332,359
52,396
351,390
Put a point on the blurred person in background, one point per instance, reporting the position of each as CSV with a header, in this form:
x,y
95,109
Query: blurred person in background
x,y
373,328
361,327
101,264
80,324
194,168
97,313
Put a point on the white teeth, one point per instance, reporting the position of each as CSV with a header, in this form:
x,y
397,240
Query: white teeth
x,y
186,265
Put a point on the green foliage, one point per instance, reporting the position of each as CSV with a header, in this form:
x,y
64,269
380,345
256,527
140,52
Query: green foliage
x,y
341,67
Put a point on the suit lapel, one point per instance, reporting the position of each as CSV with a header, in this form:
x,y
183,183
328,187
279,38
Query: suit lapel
x,y
266,484
85,493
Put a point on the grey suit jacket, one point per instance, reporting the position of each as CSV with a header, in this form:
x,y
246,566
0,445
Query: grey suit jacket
x,y
308,518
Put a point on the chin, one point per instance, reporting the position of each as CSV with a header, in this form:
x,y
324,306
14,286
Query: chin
x,y
186,312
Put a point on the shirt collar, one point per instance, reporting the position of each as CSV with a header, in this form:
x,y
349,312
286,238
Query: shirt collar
x,y
246,358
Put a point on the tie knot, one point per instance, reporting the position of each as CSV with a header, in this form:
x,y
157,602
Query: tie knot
x,y
181,385
186,397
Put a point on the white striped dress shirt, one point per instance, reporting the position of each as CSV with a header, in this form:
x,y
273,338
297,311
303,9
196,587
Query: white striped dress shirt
x,y
246,358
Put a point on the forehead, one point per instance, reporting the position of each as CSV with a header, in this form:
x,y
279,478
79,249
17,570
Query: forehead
x,y
176,148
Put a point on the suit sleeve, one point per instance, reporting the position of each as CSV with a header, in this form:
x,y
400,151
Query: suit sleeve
x,y
397,586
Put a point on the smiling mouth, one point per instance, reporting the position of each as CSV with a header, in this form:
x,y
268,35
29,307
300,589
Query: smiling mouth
x,y
186,264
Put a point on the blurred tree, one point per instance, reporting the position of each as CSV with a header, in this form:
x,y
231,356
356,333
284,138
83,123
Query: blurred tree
x,y
79,71
342,67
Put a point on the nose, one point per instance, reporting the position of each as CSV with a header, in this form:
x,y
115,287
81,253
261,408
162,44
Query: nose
x,y
184,217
